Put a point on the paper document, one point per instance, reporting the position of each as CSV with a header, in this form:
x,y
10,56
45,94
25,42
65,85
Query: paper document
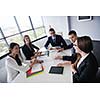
x,y
36,68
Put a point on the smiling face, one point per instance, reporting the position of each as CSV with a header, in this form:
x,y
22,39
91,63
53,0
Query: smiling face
x,y
26,39
15,50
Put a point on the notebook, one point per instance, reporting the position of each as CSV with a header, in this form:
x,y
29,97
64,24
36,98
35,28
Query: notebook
x,y
56,70
34,70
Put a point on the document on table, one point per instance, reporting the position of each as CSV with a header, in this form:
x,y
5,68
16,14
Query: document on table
x,y
36,68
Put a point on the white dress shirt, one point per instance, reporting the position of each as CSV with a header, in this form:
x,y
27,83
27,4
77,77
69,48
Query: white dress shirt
x,y
81,60
13,68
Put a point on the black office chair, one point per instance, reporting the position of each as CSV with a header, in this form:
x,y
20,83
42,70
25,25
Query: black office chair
x,y
96,51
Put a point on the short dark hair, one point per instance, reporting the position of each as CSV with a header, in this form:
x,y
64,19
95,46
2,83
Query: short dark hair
x,y
72,32
51,29
85,44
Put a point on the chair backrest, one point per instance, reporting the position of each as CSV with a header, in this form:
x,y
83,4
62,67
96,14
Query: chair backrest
x,y
96,50
60,33
3,72
22,54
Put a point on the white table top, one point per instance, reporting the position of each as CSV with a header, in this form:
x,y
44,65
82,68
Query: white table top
x,y
45,77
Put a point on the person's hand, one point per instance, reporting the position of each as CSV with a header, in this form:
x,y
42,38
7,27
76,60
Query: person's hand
x,y
64,63
39,53
60,49
52,48
59,57
73,66
60,64
73,70
33,57
33,61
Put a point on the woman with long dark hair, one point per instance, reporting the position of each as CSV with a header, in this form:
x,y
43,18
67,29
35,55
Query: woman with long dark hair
x,y
14,63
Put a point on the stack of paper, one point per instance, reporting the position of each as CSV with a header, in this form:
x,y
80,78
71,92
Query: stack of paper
x,y
34,70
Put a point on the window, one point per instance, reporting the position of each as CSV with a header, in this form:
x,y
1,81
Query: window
x,y
31,34
17,38
37,21
3,47
38,25
8,25
23,22
40,32
1,35
13,28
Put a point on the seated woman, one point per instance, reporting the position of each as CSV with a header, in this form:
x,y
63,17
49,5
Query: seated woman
x,y
87,66
14,63
28,48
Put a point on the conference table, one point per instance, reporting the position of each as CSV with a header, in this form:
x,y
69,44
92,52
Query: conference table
x,y
45,76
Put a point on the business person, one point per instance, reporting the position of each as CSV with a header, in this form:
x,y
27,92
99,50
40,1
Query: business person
x,y
74,58
14,64
56,41
28,48
87,66
73,38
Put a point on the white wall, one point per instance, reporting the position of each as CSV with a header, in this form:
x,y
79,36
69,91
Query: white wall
x,y
59,23
91,28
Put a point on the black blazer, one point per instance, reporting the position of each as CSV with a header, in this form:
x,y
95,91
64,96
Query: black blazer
x,y
87,70
29,52
59,42
71,58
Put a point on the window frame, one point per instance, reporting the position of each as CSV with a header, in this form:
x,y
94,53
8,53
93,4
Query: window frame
x,y
21,32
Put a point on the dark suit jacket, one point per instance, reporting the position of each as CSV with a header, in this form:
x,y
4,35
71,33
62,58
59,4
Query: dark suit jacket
x,y
29,52
87,70
59,42
71,58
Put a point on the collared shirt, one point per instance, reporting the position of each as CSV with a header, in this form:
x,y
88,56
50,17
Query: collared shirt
x,y
54,38
75,51
81,60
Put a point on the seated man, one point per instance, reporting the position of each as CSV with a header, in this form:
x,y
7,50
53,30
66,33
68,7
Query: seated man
x,y
56,41
75,57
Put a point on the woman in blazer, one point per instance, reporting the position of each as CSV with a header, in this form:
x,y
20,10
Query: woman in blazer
x,y
14,63
28,48
87,66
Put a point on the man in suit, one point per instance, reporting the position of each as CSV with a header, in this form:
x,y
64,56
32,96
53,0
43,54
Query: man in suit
x,y
56,41
74,58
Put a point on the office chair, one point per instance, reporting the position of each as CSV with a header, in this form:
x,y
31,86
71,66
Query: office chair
x,y
96,51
